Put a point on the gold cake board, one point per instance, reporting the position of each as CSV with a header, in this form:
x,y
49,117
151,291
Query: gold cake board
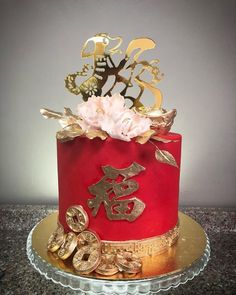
x,y
184,260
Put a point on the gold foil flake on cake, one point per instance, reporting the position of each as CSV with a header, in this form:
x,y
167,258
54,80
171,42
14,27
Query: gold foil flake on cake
x,y
115,184
104,67
77,218
69,132
142,139
91,134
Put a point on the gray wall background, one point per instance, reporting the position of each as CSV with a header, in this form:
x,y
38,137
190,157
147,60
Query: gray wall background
x,y
41,42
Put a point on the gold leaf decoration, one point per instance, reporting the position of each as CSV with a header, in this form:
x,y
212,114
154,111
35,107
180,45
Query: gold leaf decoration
x,y
161,139
165,157
68,112
164,140
68,118
65,119
49,114
91,134
69,132
143,138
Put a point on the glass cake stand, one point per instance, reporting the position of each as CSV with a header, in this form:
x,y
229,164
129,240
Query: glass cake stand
x,y
182,262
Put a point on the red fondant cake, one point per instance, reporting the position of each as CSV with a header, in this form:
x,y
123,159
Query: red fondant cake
x,y
80,165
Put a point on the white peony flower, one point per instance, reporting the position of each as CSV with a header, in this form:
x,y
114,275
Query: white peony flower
x,y
112,116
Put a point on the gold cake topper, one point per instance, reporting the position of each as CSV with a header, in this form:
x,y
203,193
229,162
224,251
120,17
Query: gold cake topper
x,y
130,71
104,67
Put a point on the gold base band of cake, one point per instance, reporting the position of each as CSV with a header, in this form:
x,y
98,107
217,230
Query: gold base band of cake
x,y
145,247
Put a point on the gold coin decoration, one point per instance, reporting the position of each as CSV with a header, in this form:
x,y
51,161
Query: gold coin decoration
x,y
128,262
107,266
86,259
89,257
77,218
56,239
88,238
68,247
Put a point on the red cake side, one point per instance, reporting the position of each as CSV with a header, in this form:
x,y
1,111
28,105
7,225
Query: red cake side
x,y
80,165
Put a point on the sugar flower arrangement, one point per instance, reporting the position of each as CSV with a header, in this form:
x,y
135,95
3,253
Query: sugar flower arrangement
x,y
109,116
